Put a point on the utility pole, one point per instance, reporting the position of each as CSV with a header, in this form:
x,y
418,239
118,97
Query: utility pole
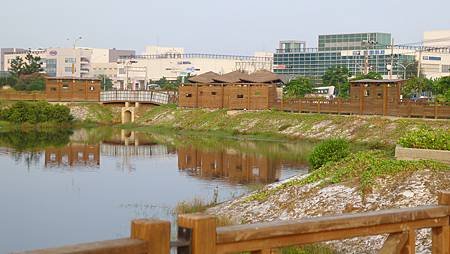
x,y
367,44
419,62
392,59
74,53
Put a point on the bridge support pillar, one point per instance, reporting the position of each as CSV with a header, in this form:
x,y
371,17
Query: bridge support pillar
x,y
128,114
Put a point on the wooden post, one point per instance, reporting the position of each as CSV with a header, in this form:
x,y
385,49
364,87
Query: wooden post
x,y
203,228
440,235
248,97
318,106
385,100
155,232
435,109
339,101
300,105
282,102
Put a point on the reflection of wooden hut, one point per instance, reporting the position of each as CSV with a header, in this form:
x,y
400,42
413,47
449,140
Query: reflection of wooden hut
x,y
242,168
72,89
73,155
234,90
376,96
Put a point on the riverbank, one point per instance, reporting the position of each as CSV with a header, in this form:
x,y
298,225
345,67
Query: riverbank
x,y
363,129
365,181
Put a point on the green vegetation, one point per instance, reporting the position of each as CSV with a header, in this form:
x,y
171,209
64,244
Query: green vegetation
x,y
370,75
437,139
416,87
106,82
22,140
360,168
36,112
298,87
329,151
337,76
25,73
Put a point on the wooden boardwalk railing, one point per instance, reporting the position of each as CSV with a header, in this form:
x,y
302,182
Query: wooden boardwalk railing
x,y
198,234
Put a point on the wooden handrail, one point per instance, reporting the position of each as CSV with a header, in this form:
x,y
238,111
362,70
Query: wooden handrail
x,y
125,246
326,223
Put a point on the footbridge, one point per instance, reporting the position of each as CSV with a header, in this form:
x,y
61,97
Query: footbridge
x,y
155,97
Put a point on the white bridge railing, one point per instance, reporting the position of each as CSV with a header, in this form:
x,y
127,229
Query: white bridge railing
x,y
143,96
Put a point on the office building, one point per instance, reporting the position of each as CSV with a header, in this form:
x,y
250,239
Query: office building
x,y
349,50
73,62
435,56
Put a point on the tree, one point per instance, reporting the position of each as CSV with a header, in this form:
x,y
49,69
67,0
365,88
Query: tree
x,y
441,88
298,87
415,87
370,75
106,82
337,76
31,65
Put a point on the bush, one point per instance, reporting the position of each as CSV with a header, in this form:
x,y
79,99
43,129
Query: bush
x,y
437,139
327,151
36,112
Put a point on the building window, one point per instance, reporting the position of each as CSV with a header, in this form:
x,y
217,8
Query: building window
x,y
70,60
240,96
213,93
65,86
188,95
91,88
446,68
366,92
379,95
52,89
68,69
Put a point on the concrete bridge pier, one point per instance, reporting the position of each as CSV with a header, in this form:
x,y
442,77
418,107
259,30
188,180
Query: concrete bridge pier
x,y
129,112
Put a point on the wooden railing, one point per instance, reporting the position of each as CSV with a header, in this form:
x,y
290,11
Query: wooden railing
x,y
405,108
198,234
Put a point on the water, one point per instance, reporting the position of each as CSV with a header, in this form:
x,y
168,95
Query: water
x,y
64,187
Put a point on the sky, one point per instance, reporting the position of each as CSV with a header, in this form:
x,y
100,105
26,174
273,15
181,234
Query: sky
x,y
210,26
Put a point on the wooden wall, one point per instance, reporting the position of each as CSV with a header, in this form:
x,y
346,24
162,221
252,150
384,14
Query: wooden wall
x,y
72,90
231,96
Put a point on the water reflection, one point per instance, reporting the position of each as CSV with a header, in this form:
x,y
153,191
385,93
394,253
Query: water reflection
x,y
107,177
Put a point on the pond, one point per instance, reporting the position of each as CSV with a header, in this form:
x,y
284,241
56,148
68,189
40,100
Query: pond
x,y
73,186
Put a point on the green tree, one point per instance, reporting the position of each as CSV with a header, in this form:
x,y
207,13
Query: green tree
x,y
441,88
31,65
337,76
416,87
370,75
106,82
298,87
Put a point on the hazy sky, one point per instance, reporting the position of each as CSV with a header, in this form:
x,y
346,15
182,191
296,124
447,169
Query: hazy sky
x,y
231,26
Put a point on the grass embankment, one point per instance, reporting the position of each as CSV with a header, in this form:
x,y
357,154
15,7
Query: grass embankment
x,y
276,124
427,139
360,169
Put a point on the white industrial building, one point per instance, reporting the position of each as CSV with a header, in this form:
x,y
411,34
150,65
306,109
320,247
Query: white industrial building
x,y
170,63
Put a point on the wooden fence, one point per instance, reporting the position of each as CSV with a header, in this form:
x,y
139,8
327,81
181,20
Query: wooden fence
x,y
198,234
405,108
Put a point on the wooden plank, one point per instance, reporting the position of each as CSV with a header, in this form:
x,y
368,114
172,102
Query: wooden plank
x,y
444,198
410,246
119,246
321,235
155,232
440,239
311,225
395,243
203,232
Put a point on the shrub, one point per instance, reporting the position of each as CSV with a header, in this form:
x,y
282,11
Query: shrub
x,y
328,151
36,112
437,139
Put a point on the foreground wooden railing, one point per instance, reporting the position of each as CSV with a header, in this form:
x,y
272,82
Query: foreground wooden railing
x,y
198,234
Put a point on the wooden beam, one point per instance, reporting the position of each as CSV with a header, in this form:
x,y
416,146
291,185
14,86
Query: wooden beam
x,y
119,246
278,241
203,228
395,243
318,224
155,232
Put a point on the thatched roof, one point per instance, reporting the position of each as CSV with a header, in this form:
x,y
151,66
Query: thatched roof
x,y
232,77
262,76
207,77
